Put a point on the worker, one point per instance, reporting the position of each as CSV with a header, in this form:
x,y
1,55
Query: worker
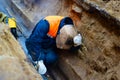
x,y
11,22
50,33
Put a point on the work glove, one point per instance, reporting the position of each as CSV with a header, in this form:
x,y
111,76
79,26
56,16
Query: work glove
x,y
82,52
41,68
83,48
2,17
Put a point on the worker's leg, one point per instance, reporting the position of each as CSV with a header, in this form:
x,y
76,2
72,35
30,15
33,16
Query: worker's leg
x,y
31,52
36,57
51,57
14,32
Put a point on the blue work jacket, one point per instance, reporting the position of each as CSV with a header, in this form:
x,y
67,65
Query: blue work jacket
x,y
39,40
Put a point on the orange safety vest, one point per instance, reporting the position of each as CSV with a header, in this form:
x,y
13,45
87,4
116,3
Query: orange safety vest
x,y
54,22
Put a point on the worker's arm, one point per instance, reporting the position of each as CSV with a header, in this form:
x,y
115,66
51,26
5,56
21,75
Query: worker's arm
x,y
80,47
75,48
36,39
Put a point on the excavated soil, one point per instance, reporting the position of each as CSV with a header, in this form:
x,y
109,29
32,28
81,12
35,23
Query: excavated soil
x,y
102,43
101,37
110,6
13,62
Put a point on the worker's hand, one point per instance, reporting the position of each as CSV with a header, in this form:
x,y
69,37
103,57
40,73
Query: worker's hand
x,y
83,48
2,16
75,48
82,52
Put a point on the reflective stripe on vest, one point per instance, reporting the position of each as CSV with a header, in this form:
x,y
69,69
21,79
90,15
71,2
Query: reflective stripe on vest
x,y
12,22
54,22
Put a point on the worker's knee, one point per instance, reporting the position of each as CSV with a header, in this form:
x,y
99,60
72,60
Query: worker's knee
x,y
51,58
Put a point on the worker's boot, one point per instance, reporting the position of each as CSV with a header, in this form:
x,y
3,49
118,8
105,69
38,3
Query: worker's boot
x,y
41,68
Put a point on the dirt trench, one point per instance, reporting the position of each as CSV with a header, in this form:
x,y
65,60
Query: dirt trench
x,y
100,34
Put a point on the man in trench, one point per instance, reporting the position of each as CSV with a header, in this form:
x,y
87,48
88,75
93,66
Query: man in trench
x,y
11,22
50,33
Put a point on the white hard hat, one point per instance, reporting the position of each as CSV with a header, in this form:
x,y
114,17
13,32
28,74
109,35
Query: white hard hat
x,y
66,32
77,40
42,69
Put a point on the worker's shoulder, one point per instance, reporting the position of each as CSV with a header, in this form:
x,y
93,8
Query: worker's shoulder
x,y
43,22
42,25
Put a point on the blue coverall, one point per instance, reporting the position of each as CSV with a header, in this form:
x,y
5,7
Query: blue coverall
x,y
42,47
